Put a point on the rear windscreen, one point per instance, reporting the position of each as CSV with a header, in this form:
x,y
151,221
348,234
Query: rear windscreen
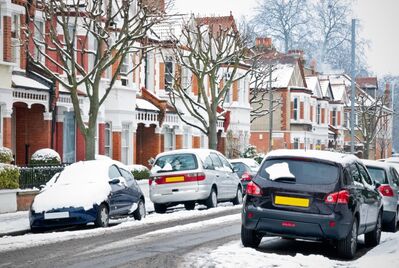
x,y
299,171
175,162
378,174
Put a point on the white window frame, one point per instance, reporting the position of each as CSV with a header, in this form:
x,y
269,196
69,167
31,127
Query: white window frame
x,y
15,43
169,74
125,143
108,131
187,139
334,117
318,114
296,108
169,145
124,69
185,79
203,141
39,36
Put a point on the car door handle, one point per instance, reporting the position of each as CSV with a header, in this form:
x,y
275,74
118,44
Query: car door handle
x,y
217,176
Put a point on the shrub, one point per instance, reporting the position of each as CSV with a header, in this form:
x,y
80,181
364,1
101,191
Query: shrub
x,y
45,157
140,172
9,176
5,155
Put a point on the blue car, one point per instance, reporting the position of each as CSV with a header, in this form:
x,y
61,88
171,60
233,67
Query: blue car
x,y
87,192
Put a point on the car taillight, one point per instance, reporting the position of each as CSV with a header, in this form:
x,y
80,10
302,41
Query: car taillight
x,y
386,190
253,189
200,176
150,180
341,197
246,177
189,177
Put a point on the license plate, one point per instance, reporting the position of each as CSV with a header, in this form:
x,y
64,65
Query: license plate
x,y
56,215
174,179
291,201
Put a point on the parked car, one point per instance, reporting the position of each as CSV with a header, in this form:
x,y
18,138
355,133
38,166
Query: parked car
x,y
387,179
246,169
312,195
87,191
193,176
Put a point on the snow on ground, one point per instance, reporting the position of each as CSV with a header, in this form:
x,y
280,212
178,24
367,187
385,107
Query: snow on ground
x,y
29,240
14,222
233,254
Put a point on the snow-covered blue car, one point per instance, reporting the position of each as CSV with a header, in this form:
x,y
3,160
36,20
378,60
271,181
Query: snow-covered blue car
x,y
87,192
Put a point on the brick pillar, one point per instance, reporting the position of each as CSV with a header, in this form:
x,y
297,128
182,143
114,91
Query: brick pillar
x,y
196,142
116,145
22,53
101,138
7,54
179,141
7,139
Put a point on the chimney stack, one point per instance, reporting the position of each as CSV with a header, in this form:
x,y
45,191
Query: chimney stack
x,y
264,42
155,5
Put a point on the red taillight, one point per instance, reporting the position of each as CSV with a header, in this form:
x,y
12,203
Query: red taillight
x,y
150,181
341,197
253,189
288,224
246,177
386,190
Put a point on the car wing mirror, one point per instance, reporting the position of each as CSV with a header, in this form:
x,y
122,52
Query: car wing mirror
x,y
114,181
235,169
151,161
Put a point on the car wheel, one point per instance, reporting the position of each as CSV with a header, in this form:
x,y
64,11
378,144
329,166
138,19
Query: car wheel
x,y
212,200
347,246
250,238
160,208
102,219
238,199
392,225
139,213
372,238
189,205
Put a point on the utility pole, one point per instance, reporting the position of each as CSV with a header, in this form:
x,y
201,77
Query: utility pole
x,y
353,87
270,110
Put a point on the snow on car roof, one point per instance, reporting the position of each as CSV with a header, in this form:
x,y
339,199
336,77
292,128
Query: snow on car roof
x,y
374,163
187,151
315,154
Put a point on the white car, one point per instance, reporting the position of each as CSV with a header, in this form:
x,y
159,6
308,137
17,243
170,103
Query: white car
x,y
191,176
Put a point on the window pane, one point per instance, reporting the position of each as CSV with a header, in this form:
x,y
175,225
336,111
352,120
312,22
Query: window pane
x,y
175,162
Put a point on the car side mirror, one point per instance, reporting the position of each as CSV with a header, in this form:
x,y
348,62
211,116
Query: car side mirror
x,y
115,181
151,161
235,169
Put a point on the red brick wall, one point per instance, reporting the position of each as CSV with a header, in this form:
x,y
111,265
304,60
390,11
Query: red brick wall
x,y
262,145
301,111
7,55
194,83
31,130
148,144
80,145
162,75
7,133
179,141
284,116
235,91
24,200
82,58
338,118
116,145
22,53
323,115
101,138
196,142
221,144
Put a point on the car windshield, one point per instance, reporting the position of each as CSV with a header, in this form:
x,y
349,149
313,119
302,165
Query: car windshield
x,y
84,172
299,171
175,162
377,174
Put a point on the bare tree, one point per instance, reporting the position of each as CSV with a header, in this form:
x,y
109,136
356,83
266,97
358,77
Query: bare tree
x,y
114,28
213,54
284,20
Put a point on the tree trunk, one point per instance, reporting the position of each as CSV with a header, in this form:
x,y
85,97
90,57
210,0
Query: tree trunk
x,y
366,150
212,133
90,144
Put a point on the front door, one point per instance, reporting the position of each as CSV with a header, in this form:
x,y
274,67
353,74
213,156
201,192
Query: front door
x,y
69,138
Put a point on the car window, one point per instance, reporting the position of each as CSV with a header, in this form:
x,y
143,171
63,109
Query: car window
x,y
377,174
395,177
355,174
216,161
299,171
240,166
127,175
175,162
348,180
208,164
364,174
113,172
225,163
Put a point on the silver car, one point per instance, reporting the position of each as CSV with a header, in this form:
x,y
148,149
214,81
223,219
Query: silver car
x,y
191,176
387,177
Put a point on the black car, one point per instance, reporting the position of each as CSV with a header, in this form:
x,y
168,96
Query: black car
x,y
312,195
246,169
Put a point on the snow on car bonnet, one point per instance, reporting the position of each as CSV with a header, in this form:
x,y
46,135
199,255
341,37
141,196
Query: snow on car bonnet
x,y
82,184
279,170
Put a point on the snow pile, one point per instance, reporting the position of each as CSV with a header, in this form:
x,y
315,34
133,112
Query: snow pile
x,y
80,185
102,157
45,156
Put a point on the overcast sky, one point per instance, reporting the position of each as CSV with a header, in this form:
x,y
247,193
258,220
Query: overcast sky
x,y
380,25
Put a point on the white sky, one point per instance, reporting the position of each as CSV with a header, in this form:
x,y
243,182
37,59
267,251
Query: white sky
x,y
380,25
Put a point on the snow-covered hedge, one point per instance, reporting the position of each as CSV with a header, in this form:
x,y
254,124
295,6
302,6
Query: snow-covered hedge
x,y
45,157
9,176
5,155
251,152
139,172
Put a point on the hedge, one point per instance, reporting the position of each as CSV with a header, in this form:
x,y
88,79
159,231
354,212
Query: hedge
x,y
9,176
142,174
6,155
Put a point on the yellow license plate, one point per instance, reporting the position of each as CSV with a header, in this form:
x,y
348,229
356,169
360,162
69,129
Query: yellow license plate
x,y
291,201
174,179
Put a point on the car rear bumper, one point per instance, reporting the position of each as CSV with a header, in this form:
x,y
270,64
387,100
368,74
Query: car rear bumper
x,y
77,216
388,216
296,224
200,193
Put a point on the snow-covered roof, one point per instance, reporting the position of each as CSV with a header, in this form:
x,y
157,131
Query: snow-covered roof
x,y
314,85
145,105
316,154
324,87
26,82
339,92
282,74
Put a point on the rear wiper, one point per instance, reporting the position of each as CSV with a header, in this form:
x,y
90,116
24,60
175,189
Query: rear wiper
x,y
287,179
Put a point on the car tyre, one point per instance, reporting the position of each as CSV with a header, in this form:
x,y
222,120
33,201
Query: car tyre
x,y
160,208
102,219
249,238
189,205
238,199
140,212
212,200
347,246
372,239
392,225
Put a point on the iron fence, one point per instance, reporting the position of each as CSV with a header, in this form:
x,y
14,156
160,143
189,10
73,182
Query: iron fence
x,y
35,176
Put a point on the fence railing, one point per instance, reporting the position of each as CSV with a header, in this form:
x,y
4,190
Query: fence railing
x,y
34,177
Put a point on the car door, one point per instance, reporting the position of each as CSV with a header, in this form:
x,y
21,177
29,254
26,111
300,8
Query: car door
x,y
221,178
231,177
395,182
131,193
117,202
372,197
359,193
